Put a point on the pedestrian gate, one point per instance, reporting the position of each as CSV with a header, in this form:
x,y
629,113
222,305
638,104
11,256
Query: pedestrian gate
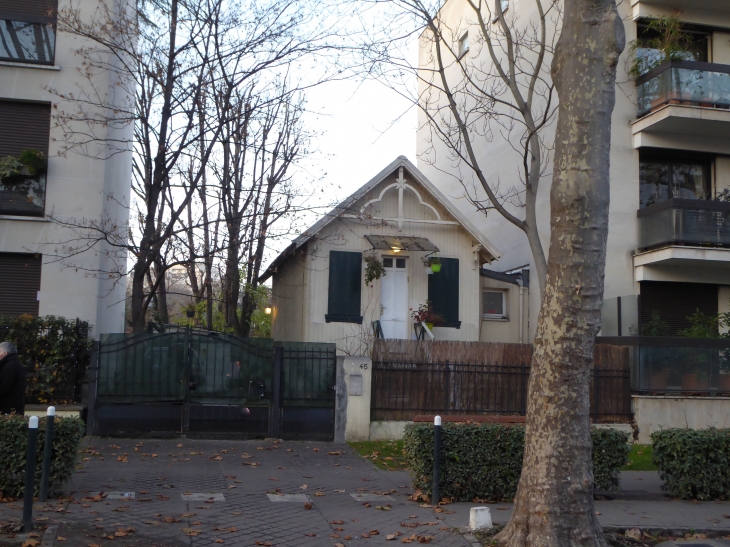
x,y
204,384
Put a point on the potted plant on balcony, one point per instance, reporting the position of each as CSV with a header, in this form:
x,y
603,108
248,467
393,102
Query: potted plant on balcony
x,y
425,314
669,38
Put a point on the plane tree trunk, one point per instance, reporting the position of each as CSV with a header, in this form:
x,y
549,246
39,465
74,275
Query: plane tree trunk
x,y
554,503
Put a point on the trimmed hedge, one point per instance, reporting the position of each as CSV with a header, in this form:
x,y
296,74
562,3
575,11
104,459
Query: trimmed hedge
x,y
55,352
484,461
67,434
693,463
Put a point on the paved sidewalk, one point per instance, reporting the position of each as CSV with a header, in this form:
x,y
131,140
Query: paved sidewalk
x,y
192,493
199,493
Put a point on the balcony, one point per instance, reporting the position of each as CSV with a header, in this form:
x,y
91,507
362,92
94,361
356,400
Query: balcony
x,y
686,83
684,222
684,105
717,6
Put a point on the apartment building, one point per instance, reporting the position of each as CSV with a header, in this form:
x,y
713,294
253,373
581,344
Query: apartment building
x,y
45,267
669,233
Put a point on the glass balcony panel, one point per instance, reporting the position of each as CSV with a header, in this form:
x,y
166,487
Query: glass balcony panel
x,y
684,82
25,196
685,222
683,369
25,42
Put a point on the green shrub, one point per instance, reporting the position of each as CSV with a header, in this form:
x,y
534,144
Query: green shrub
x,y
484,461
55,352
13,445
694,463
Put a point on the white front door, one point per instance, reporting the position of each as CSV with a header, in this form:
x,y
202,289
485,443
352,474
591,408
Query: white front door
x,y
394,298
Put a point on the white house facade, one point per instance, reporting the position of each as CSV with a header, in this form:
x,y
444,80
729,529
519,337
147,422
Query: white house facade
x,y
319,288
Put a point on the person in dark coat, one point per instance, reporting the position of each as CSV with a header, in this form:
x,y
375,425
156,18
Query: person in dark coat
x,y
12,380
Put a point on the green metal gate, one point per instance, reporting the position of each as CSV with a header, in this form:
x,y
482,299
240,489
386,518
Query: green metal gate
x,y
199,383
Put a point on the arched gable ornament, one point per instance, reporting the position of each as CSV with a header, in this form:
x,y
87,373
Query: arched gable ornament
x,y
401,185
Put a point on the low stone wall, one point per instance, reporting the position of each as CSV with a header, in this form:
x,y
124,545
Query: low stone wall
x,y
387,431
653,413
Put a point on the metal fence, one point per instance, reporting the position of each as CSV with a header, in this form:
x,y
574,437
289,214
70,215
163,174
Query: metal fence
x,y
402,390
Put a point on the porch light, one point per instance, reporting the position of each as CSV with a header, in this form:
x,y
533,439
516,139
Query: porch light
x,y
267,310
396,249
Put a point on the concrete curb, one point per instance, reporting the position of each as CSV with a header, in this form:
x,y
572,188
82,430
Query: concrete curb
x,y
674,532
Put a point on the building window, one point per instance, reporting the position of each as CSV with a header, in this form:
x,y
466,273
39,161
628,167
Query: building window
x,y
21,280
345,287
464,44
443,292
651,47
28,31
663,177
494,304
504,5
26,42
23,192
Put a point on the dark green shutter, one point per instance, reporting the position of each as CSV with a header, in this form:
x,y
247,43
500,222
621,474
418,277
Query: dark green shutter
x,y
443,292
345,286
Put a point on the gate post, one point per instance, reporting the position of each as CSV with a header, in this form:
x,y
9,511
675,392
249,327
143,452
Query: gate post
x,y
93,375
275,412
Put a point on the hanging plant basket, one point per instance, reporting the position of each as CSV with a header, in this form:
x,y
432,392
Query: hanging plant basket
x,y
436,268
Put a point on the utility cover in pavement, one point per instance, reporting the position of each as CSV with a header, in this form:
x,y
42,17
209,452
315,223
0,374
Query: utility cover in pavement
x,y
301,498
371,497
203,496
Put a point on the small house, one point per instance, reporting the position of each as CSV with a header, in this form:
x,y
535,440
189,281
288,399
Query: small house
x,y
365,267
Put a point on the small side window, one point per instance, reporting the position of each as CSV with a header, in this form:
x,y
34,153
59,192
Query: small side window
x,y
464,44
494,305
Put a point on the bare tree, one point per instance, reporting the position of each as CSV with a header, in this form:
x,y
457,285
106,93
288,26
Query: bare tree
x,y
261,143
170,55
467,102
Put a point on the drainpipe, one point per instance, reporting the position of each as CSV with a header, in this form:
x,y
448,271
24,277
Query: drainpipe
x,y
522,292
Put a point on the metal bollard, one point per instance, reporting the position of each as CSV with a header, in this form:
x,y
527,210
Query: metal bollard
x,y
30,475
47,449
436,461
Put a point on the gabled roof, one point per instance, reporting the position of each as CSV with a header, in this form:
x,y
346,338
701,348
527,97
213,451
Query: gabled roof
x,y
346,205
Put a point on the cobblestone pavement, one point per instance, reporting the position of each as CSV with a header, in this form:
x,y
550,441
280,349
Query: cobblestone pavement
x,y
200,493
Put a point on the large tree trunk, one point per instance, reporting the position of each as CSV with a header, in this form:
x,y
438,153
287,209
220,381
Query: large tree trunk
x,y
554,504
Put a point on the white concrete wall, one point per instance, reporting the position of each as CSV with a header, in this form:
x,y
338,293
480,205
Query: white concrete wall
x,y
663,412
387,431
352,422
77,187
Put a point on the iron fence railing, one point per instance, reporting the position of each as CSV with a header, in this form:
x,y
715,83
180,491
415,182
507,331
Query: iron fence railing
x,y
402,390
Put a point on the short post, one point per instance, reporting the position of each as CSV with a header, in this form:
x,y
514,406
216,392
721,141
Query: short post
x,y
30,475
436,461
47,449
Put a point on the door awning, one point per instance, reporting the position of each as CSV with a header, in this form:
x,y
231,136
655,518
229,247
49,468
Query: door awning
x,y
403,243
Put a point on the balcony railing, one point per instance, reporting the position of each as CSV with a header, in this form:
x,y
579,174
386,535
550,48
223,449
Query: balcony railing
x,y
677,365
684,82
689,222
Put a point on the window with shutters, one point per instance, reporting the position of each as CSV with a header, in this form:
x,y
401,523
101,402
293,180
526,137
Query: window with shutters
x,y
21,280
28,31
443,292
22,188
345,287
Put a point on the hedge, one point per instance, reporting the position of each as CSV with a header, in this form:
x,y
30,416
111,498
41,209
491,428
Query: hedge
x,y
484,461
13,445
55,352
693,463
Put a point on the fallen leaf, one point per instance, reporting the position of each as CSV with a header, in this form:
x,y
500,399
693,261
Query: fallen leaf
x,y
31,543
337,522
341,491
218,541
60,538
374,532
237,512
264,543
231,529
303,487
315,449
336,453
311,535
307,506
390,537
190,531
319,494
